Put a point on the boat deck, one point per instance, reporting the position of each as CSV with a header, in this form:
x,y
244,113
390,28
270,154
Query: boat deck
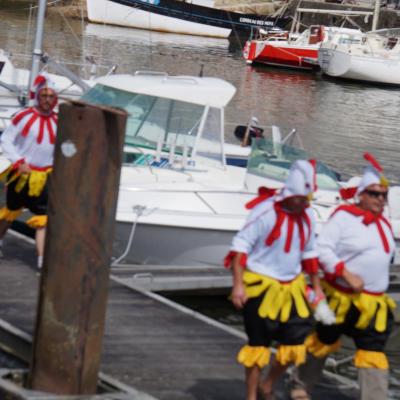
x,y
150,343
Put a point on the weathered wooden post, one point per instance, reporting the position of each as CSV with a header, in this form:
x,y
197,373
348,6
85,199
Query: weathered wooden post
x,y
74,284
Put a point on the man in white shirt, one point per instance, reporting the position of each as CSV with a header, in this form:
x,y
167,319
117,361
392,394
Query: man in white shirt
x,y
355,251
267,258
28,143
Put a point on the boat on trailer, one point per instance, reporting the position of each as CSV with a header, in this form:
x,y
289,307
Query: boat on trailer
x,y
192,18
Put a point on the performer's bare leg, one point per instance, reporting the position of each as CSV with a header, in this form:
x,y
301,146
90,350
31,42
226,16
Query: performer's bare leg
x,y
40,239
252,379
4,225
274,374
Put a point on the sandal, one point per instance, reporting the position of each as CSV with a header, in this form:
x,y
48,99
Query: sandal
x,y
266,395
299,393
263,395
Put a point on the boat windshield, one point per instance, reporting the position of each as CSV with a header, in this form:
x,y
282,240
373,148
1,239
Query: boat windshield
x,y
273,160
152,119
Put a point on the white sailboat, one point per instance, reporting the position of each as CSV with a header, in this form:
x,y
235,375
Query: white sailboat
x,y
370,57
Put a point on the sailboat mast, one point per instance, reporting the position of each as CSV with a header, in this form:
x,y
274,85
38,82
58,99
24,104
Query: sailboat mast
x,y
37,44
376,15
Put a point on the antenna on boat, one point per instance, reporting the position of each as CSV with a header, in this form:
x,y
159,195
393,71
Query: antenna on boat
x,y
171,157
37,46
376,15
159,148
184,155
201,70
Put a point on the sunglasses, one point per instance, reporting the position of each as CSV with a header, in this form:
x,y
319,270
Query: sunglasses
x,y
49,96
376,194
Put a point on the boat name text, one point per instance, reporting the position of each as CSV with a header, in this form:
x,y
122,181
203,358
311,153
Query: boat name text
x,y
255,21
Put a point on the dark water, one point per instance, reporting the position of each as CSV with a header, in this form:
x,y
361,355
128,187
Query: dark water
x,y
338,121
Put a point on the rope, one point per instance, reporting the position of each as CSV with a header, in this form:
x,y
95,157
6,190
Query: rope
x,y
33,7
69,26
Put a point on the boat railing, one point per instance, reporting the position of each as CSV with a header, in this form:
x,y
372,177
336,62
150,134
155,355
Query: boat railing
x,y
151,73
181,79
3,123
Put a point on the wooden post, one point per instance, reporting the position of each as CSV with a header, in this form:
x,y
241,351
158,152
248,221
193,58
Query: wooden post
x,y
83,194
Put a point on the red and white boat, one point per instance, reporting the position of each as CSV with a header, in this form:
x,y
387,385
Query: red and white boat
x,y
290,50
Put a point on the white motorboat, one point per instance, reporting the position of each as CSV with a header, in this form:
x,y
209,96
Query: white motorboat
x,y
179,202
370,57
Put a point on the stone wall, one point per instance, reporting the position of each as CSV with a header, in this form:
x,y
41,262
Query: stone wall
x,y
387,18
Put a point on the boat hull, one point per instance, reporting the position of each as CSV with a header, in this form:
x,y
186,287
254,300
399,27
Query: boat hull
x,y
176,17
340,64
282,54
168,245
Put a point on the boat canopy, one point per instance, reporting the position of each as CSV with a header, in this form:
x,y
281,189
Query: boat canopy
x,y
213,92
273,160
165,124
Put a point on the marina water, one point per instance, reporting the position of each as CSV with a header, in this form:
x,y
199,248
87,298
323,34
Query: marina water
x,y
337,121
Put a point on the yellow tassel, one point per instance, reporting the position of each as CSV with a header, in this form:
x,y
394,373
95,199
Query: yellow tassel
x,y
319,349
8,215
288,354
4,174
338,302
384,181
38,221
370,359
279,297
298,291
37,181
249,356
371,306
22,180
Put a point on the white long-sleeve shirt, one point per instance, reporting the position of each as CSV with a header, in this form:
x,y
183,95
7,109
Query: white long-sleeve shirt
x,y
272,260
31,137
345,238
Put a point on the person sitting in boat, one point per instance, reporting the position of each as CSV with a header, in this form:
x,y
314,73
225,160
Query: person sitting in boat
x,y
356,247
267,257
28,143
246,133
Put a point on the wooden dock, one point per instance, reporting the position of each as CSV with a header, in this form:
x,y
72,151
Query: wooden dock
x,y
150,343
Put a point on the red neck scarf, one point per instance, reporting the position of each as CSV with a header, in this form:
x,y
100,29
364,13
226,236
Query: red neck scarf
x,y
281,215
369,218
293,219
44,123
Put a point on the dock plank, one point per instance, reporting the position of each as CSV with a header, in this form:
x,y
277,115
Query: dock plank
x,y
149,345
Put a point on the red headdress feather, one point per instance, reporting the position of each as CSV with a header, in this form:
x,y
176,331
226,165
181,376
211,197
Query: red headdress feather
x,y
372,160
348,193
314,164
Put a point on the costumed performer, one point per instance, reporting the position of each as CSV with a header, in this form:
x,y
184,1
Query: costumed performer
x,y
267,257
28,143
355,248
